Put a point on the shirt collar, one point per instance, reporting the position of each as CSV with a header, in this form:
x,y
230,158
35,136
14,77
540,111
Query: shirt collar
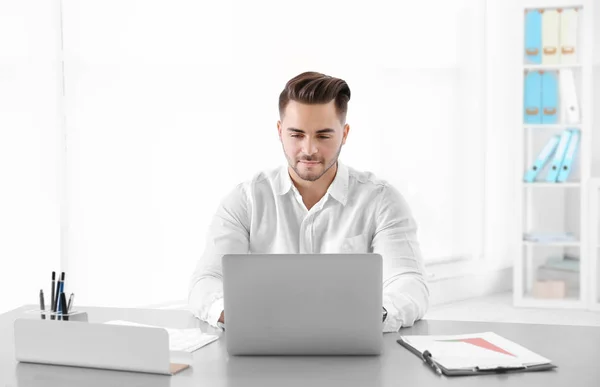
x,y
338,188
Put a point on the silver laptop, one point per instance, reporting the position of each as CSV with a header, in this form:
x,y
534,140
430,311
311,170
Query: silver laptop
x,y
303,304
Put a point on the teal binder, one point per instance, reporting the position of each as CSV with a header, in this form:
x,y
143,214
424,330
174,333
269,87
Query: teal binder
x,y
542,159
549,97
533,98
559,156
533,37
565,169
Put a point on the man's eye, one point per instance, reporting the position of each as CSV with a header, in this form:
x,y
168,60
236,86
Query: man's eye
x,y
324,137
296,135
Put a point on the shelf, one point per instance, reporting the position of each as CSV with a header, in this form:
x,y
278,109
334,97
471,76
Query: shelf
x,y
551,126
551,244
552,185
563,303
551,66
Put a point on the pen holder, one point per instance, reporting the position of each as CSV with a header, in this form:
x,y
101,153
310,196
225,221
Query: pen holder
x,y
73,315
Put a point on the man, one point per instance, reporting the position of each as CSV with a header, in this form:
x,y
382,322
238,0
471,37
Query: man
x,y
315,204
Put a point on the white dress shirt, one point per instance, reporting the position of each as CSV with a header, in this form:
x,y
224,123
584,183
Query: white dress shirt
x,y
358,214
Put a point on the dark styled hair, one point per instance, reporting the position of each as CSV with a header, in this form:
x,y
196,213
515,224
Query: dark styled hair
x,y
316,88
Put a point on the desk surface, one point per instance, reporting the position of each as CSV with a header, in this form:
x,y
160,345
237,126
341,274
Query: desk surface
x,y
574,349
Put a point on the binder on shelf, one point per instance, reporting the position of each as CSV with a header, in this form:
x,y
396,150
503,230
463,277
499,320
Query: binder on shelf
x,y
568,35
565,168
558,156
550,36
549,97
533,98
542,159
568,97
533,37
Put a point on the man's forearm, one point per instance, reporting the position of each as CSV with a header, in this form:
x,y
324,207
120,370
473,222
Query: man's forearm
x,y
206,299
406,298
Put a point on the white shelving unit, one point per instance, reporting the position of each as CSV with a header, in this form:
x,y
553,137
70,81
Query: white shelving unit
x,y
551,66
594,186
595,243
557,207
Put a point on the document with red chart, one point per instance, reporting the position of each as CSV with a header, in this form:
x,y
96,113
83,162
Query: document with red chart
x,y
475,351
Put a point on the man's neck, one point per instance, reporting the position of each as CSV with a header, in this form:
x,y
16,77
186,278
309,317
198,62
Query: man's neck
x,y
313,191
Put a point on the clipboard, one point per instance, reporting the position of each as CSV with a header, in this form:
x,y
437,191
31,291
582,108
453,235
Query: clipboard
x,y
478,370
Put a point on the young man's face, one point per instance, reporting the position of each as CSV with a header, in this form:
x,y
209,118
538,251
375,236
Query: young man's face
x,y
312,138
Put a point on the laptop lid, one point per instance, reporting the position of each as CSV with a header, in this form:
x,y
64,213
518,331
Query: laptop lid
x,y
303,304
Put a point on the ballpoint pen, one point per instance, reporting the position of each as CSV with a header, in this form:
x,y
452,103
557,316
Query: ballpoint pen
x,y
63,307
70,304
42,306
427,359
53,295
59,289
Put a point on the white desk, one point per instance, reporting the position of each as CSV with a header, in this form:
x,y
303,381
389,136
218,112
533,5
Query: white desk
x,y
574,349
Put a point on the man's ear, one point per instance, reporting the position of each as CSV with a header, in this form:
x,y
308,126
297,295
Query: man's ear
x,y
279,129
345,133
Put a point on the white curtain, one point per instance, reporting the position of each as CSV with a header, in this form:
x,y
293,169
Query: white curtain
x,y
169,104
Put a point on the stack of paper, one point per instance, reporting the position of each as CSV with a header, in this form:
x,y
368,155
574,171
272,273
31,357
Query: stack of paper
x,y
549,237
180,340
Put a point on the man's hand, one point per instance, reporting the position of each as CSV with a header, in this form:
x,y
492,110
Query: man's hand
x,y
222,318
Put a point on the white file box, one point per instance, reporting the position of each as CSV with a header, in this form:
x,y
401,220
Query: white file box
x,y
91,345
550,37
568,36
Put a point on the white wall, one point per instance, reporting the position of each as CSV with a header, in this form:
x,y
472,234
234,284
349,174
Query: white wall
x,y
124,88
30,163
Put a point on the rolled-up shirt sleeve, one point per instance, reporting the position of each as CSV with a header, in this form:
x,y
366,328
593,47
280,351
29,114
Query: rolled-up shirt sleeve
x,y
405,291
228,234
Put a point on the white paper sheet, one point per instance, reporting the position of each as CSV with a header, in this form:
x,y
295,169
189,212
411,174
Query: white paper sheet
x,y
180,340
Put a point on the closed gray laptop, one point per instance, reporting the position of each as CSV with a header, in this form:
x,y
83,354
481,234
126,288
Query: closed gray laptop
x,y
303,304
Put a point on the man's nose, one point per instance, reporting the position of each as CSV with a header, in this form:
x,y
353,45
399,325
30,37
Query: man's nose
x,y
309,146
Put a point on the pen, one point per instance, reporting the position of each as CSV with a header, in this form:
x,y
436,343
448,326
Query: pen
x,y
427,359
63,306
59,288
42,306
52,305
70,304
58,307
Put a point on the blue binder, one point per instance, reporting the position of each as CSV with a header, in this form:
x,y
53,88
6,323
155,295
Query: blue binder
x,y
533,37
542,159
533,98
559,156
570,154
549,97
